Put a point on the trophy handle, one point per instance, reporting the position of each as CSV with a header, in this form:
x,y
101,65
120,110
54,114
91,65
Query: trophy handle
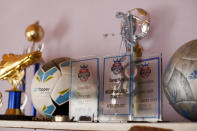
x,y
24,102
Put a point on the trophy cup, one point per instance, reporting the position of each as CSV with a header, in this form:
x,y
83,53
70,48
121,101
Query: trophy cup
x,y
12,68
119,88
145,91
134,27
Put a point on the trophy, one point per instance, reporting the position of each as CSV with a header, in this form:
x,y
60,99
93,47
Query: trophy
x,y
146,97
83,103
134,27
117,91
145,92
12,68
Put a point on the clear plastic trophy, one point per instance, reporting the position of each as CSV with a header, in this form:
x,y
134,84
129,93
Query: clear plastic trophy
x,y
83,105
147,103
117,85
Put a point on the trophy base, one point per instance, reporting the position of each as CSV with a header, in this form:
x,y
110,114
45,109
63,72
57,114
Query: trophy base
x,y
16,117
14,102
14,112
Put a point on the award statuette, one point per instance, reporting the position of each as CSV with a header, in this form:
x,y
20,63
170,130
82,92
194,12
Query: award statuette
x,y
134,27
118,87
146,78
12,69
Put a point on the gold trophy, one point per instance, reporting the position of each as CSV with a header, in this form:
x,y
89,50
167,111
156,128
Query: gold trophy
x,y
12,68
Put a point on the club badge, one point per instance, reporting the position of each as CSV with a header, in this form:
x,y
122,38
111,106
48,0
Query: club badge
x,y
84,73
117,67
145,70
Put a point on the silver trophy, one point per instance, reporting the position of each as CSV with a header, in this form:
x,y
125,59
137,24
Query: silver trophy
x,y
135,26
119,71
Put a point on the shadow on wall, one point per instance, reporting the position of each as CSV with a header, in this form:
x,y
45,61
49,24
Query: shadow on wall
x,y
55,44
160,36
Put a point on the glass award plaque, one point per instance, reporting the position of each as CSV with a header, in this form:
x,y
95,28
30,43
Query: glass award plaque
x,y
147,90
117,85
84,90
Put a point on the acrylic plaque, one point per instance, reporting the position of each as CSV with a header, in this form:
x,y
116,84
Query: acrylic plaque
x,y
117,84
84,89
147,90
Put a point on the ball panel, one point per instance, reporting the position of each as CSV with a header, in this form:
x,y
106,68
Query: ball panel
x,y
180,80
41,89
188,109
65,67
61,91
179,88
168,72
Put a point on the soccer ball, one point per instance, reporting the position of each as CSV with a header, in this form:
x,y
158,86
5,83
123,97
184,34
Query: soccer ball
x,y
180,80
50,88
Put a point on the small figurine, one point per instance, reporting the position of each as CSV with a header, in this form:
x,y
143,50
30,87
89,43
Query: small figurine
x,y
12,66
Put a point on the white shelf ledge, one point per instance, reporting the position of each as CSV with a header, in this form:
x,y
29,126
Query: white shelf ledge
x,y
182,126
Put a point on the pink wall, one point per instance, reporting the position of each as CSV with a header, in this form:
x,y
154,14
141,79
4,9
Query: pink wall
x,y
76,28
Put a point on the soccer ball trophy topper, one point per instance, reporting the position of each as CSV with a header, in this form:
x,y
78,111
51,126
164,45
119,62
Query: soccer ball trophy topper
x,y
134,26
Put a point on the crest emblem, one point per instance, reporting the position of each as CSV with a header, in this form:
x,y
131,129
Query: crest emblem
x,y
145,71
84,73
117,67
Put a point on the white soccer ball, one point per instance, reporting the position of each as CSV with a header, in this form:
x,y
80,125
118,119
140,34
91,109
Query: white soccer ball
x,y
180,80
50,88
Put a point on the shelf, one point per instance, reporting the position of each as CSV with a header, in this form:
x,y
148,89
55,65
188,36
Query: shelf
x,y
182,126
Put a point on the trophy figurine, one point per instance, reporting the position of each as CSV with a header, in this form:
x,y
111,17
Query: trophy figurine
x,y
12,68
134,27
120,71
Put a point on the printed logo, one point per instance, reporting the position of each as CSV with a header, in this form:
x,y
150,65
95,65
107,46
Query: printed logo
x,y
84,73
145,71
117,67
193,75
